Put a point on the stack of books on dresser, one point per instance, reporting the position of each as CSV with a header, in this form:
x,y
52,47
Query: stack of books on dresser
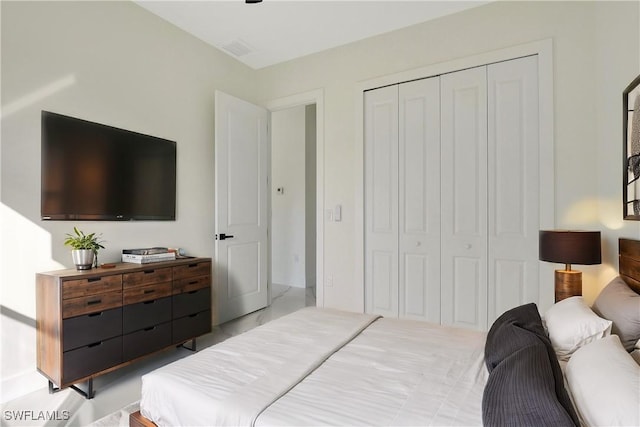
x,y
147,255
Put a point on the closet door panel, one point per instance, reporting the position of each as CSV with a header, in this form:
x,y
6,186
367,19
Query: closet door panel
x,y
464,198
419,199
513,147
381,201
467,311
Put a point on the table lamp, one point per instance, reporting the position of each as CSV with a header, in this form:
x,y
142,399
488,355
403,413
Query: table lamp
x,y
569,247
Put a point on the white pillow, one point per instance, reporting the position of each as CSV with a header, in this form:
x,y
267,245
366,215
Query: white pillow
x,y
571,325
604,382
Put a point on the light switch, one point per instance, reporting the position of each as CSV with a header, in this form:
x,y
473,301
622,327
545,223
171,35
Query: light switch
x,y
337,213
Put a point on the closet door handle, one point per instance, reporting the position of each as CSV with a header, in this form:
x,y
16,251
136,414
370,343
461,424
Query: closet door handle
x,y
223,236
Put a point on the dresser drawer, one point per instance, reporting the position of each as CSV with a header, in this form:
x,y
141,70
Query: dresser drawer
x,y
146,293
91,304
148,276
145,314
191,284
91,359
146,341
192,270
91,286
191,302
191,326
83,330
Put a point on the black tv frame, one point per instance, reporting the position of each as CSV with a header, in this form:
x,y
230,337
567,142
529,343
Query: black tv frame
x,y
115,137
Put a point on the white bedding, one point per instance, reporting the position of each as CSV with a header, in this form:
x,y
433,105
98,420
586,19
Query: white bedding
x,y
396,372
232,382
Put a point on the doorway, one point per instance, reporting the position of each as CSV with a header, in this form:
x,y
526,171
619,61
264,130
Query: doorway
x,y
314,97
293,193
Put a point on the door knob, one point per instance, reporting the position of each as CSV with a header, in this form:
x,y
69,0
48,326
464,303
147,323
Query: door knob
x,y
223,236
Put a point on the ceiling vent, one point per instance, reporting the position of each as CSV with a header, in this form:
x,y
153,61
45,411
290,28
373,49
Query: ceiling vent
x,y
237,48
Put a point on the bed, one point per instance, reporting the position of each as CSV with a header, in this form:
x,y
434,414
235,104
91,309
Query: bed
x,y
329,367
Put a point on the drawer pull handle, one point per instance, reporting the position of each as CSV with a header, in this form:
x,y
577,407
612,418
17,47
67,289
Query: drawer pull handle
x,y
149,271
150,302
97,301
193,315
95,344
149,291
193,282
94,279
96,314
192,292
193,265
150,329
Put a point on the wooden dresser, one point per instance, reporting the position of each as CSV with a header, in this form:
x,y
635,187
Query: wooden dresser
x,y
95,321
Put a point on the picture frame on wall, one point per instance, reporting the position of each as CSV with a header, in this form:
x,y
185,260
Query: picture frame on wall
x,y
631,151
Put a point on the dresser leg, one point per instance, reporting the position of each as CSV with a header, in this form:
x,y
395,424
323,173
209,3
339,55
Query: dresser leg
x,y
89,394
192,347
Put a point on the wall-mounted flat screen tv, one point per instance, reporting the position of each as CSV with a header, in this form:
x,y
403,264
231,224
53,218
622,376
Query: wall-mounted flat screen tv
x,y
96,172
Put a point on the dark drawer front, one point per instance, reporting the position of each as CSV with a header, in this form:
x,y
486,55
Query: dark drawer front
x,y
91,359
147,277
191,302
84,330
191,326
192,270
146,341
145,314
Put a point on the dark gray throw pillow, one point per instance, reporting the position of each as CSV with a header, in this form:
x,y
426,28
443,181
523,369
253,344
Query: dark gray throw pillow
x,y
620,304
518,329
506,335
521,391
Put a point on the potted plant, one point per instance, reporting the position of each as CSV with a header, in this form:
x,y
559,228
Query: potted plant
x,y
85,248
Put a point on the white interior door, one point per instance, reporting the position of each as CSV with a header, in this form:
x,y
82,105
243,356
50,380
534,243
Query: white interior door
x,y
241,190
419,200
464,198
381,201
514,184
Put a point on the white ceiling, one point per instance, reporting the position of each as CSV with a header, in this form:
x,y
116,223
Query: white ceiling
x,y
275,31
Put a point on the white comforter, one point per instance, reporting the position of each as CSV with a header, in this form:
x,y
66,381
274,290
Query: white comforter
x,y
231,383
395,372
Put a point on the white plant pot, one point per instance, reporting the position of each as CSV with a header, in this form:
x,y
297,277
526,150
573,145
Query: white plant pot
x,y
83,258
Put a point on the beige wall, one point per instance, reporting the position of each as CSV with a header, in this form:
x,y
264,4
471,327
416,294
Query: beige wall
x,y
288,210
113,63
596,54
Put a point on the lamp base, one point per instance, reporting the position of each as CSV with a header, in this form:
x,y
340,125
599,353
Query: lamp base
x,y
568,284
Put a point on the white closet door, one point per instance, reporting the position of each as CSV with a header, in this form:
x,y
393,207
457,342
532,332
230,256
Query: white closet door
x,y
513,162
381,201
464,198
419,200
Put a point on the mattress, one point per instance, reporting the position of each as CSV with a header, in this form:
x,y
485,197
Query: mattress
x,y
321,366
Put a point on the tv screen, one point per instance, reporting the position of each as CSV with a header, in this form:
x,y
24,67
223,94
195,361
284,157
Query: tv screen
x,y
92,171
